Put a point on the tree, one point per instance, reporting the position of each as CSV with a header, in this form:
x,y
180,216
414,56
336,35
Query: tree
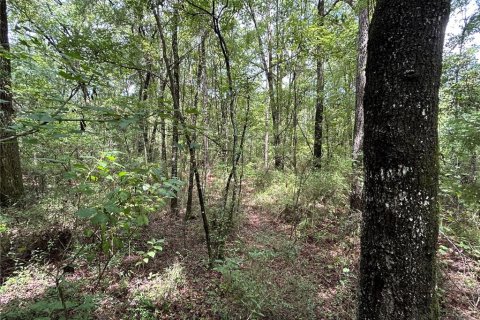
x,y
200,85
11,184
317,144
267,59
399,236
363,21
173,72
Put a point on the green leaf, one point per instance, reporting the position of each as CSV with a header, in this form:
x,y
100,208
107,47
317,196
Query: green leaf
x,y
68,76
112,208
90,256
102,164
100,218
122,174
85,188
192,111
73,55
46,118
124,195
60,136
194,145
106,246
124,123
86,212
142,220
31,140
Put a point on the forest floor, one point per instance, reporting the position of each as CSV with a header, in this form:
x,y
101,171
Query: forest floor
x,y
271,271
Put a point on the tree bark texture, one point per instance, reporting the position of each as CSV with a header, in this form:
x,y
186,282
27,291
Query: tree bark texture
x,y
356,192
11,184
400,223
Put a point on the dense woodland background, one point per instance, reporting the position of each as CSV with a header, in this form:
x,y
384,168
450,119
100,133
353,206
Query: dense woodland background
x,y
203,159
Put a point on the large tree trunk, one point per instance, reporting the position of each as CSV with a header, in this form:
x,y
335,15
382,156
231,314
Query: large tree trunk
x,y
400,230
11,184
317,142
356,192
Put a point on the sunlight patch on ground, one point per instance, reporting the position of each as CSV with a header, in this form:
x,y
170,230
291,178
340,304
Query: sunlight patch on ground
x,y
27,284
159,288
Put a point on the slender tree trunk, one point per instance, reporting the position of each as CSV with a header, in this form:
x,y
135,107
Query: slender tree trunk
x,y
277,112
266,140
11,183
142,146
206,157
152,150
356,192
275,109
232,178
267,58
473,167
163,137
176,107
174,77
200,71
317,144
201,197
163,127
173,73
295,120
151,143
400,227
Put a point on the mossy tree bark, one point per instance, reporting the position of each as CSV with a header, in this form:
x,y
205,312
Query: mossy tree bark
x,y
400,228
11,184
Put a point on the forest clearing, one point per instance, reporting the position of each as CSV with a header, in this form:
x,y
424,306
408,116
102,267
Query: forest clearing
x,y
239,159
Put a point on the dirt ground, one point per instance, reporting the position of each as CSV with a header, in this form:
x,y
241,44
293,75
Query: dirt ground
x,y
270,272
